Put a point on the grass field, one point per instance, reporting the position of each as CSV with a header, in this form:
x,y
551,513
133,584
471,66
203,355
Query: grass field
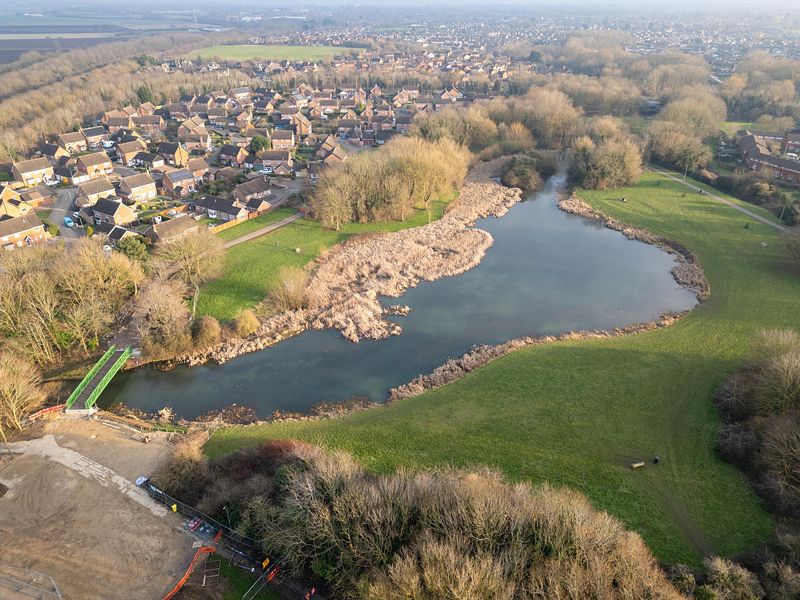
x,y
252,268
261,52
577,413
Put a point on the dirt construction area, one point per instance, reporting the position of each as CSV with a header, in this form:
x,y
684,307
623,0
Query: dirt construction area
x,y
70,510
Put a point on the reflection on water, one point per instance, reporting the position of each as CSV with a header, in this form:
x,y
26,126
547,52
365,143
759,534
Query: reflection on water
x,y
548,272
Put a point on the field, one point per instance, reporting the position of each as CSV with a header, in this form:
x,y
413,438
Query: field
x,y
577,413
252,268
260,52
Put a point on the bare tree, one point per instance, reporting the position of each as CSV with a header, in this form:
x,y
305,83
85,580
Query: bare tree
x,y
194,259
19,389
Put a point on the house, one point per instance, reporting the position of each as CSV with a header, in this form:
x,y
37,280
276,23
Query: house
x,y
220,208
148,123
254,189
73,142
12,203
54,152
147,108
198,167
92,191
349,128
112,233
232,155
127,151
283,139
756,154
69,174
34,171
149,160
178,183
138,188
336,156
95,136
175,154
113,211
327,146
96,164
791,142
167,231
36,197
226,174
16,232
302,126
114,124
272,159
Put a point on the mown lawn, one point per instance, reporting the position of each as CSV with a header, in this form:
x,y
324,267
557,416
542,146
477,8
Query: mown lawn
x,y
263,52
252,268
251,225
577,413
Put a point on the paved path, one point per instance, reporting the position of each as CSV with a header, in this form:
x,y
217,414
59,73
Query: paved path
x,y
722,200
47,447
265,230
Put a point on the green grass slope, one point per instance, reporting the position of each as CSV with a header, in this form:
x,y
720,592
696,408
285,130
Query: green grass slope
x,y
577,413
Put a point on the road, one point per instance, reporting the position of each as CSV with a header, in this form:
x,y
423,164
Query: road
x,y
265,230
63,207
722,200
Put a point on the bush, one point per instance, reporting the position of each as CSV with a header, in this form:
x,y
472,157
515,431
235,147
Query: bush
x,y
206,332
247,323
292,291
522,172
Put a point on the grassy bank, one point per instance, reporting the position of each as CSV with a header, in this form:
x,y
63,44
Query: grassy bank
x,y
261,52
252,268
577,413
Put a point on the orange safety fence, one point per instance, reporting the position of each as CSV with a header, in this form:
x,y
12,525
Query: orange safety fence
x,y
44,411
200,552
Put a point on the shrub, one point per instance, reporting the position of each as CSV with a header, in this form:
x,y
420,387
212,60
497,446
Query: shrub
x,y
247,323
292,291
206,332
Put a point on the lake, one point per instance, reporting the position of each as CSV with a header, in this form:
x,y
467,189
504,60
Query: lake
x,y
548,272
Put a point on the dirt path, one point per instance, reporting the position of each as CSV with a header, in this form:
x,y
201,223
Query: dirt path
x,y
721,200
265,230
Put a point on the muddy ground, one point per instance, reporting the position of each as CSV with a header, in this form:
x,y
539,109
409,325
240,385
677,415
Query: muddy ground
x,y
71,512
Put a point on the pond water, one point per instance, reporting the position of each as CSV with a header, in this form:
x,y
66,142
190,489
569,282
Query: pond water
x,y
548,272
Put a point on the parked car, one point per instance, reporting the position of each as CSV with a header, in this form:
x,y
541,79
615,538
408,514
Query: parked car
x,y
69,222
76,215
51,182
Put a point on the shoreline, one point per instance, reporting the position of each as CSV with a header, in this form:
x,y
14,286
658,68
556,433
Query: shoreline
x,y
348,281
687,273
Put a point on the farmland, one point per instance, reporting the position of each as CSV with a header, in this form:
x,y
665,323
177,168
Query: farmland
x,y
577,413
259,52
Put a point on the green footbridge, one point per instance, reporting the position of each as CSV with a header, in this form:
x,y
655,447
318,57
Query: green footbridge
x,y
89,389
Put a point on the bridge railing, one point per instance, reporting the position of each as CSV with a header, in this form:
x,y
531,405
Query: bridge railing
x,y
89,376
101,385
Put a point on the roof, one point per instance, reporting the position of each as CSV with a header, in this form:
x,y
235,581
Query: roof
x,y
15,225
96,186
230,150
197,164
114,232
72,136
179,175
173,227
95,158
33,164
107,206
138,180
94,131
217,204
168,148
258,185
275,155
283,134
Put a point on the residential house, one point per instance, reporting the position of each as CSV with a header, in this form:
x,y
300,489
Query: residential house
x,y
114,124
72,142
127,151
335,156
199,168
349,128
175,154
36,197
25,230
756,154
95,136
254,189
327,146
147,108
272,159
112,233
138,188
12,203
283,139
148,123
232,155
178,183
113,211
96,164
93,190
220,208
172,229
54,152
148,160
68,174
34,171
302,126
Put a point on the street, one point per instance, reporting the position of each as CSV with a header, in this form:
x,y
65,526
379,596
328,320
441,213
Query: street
x,y
63,207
